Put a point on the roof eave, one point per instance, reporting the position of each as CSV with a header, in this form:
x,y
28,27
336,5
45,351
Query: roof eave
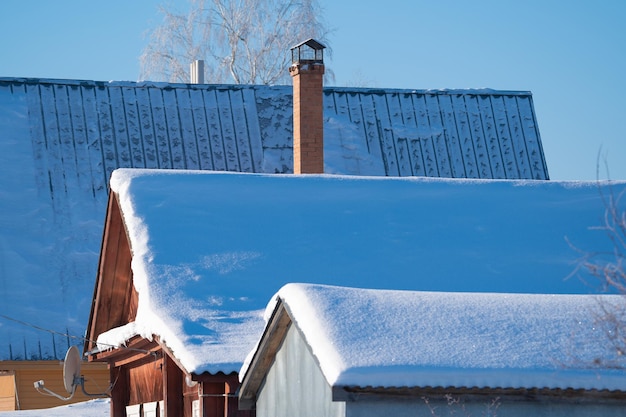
x,y
578,395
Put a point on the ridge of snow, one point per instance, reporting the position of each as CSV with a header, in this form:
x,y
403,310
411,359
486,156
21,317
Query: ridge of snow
x,y
210,249
389,338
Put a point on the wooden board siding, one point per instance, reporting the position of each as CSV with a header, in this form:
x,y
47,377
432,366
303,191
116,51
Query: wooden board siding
x,y
146,372
27,372
176,391
145,380
115,298
136,372
120,392
190,394
8,400
218,395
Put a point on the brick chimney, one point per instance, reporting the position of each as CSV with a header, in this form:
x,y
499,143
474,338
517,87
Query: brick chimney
x,y
307,71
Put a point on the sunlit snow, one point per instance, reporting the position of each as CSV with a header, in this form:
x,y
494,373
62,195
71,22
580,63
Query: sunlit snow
x,y
210,249
93,408
390,338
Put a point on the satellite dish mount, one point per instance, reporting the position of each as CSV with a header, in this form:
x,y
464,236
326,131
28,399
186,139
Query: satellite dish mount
x,y
71,378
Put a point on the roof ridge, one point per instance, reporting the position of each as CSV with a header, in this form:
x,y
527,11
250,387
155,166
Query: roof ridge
x,y
329,89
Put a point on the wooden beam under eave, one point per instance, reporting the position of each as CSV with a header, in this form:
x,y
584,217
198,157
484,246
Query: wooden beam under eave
x,y
135,350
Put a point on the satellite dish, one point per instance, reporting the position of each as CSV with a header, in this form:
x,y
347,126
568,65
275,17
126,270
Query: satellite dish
x,y
71,378
71,369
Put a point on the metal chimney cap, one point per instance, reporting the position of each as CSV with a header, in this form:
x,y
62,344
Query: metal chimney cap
x,y
308,52
311,43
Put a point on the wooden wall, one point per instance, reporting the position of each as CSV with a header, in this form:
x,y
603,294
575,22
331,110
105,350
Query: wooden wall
x,y
7,391
115,298
27,372
190,394
146,381
217,395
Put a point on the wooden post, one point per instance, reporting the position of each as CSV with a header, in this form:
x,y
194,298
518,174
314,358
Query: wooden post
x,y
120,393
232,401
172,388
213,402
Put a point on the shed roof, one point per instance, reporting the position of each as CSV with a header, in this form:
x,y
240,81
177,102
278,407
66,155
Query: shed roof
x,y
384,338
209,249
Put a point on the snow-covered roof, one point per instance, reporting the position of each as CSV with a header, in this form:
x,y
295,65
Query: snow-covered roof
x,y
386,338
61,139
210,249
472,133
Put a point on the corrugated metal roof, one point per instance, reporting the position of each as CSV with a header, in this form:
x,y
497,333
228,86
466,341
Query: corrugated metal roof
x,y
433,133
440,133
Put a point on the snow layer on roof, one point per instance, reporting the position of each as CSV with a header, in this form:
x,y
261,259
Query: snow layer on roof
x,y
388,338
210,249
90,128
61,139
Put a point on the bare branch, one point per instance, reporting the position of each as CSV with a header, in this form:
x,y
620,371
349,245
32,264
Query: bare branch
x,y
608,269
241,41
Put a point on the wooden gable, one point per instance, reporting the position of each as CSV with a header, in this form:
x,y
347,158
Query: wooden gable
x,y
115,298
145,371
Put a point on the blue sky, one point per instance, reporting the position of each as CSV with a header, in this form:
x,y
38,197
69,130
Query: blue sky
x,y
569,54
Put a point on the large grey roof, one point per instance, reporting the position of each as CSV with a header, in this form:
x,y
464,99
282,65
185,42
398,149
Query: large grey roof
x,y
61,139
434,133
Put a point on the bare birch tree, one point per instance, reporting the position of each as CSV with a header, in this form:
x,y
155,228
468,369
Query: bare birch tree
x,y
241,41
609,268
